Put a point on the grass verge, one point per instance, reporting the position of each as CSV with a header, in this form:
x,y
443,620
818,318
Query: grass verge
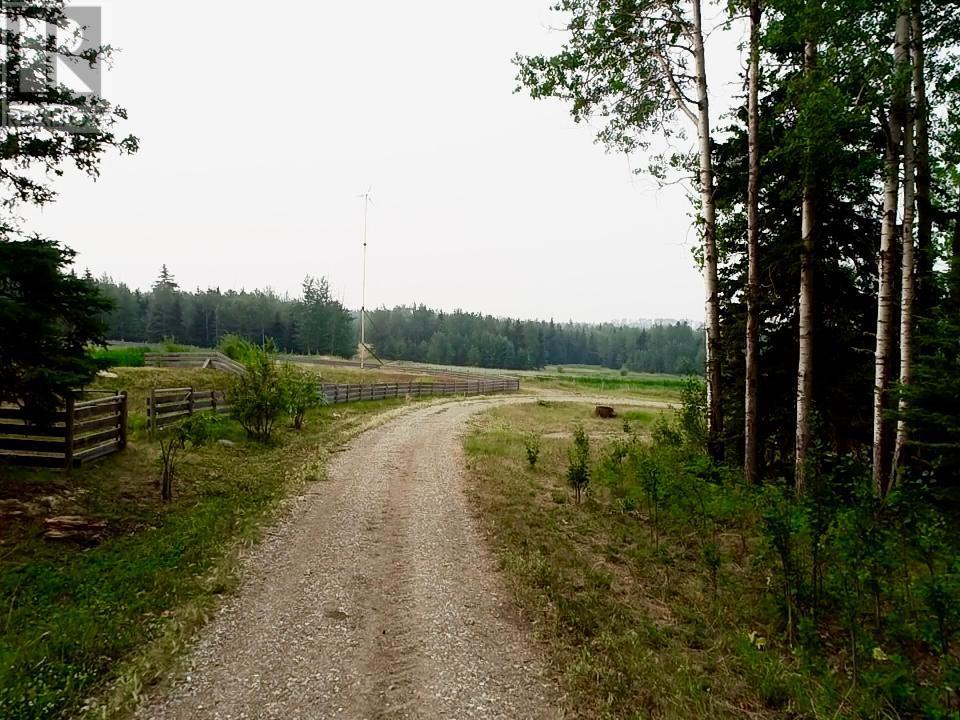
x,y
675,590
636,627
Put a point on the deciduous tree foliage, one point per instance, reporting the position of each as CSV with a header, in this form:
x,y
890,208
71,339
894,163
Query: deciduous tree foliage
x,y
828,269
48,125
636,65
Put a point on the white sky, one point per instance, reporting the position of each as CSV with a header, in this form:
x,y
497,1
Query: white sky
x,y
260,123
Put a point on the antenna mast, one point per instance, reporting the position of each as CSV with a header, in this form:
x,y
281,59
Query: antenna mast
x,y
363,297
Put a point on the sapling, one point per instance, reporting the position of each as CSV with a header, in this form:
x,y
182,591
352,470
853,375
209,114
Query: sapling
x,y
301,392
532,446
195,431
578,468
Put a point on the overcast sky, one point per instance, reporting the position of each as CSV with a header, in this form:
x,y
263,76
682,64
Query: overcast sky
x,y
260,124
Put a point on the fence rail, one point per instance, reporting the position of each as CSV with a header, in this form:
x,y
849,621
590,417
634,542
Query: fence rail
x,y
336,394
81,432
167,405
209,359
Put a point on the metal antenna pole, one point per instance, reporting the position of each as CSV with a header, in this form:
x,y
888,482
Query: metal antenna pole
x,y
363,298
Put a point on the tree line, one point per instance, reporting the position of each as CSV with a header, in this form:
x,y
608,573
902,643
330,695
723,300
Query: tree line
x,y
828,209
316,323
312,323
471,339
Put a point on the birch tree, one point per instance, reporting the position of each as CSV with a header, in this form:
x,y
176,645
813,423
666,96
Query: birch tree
x,y
805,311
893,125
638,65
907,264
751,429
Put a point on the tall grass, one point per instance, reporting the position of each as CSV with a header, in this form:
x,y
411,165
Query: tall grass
x,y
121,356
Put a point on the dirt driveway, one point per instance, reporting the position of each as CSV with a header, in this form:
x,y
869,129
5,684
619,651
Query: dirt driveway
x,y
377,598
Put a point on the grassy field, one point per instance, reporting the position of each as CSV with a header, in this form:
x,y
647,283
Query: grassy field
x,y
600,381
636,626
356,376
80,617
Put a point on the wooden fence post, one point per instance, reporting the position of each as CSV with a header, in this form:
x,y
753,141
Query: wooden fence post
x,y
123,418
152,412
68,433
190,402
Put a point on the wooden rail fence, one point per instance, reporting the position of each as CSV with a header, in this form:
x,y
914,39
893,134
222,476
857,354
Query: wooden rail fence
x,y
207,359
167,405
81,432
336,394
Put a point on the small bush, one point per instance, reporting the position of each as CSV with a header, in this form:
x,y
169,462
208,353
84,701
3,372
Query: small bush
x,y
531,444
301,392
120,356
237,348
257,398
196,430
578,468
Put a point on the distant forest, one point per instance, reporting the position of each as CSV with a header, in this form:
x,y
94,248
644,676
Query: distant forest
x,y
316,323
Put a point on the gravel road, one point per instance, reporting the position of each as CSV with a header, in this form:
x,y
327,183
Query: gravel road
x,y
376,598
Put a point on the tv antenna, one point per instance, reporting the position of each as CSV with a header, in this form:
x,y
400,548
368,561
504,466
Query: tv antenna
x,y
367,200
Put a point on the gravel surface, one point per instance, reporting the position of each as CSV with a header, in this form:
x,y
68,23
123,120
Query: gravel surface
x,y
377,598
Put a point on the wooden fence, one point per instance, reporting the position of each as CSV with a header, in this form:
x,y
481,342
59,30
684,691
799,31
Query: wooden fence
x,y
167,405
81,432
203,359
335,394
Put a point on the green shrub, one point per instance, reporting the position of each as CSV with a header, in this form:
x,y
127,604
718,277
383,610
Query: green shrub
x,y
237,348
120,356
531,444
301,392
257,398
693,411
195,430
578,467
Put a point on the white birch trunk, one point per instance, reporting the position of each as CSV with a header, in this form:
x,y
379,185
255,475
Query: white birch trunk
x,y
908,271
883,356
711,285
805,314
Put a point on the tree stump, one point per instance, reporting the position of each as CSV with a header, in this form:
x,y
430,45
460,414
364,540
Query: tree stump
x,y
605,412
